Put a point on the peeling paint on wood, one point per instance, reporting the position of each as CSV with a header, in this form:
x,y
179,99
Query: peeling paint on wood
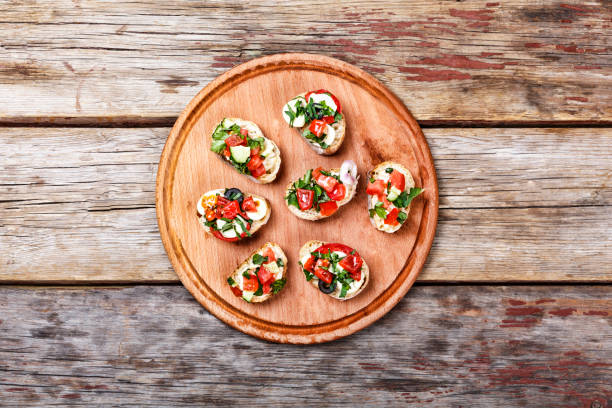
x,y
154,345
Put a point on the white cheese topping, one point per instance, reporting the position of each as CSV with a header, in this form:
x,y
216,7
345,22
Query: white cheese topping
x,y
323,97
299,121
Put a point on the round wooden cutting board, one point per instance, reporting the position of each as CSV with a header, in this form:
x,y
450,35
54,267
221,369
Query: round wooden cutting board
x,y
379,128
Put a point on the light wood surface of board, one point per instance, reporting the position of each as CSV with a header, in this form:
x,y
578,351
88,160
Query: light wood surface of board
x,y
91,194
476,346
378,127
99,62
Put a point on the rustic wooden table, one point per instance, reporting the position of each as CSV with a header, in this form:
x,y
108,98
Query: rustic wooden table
x,y
514,306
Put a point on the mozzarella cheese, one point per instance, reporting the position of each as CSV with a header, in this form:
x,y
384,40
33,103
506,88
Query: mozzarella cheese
x,y
323,97
230,233
330,135
298,121
262,210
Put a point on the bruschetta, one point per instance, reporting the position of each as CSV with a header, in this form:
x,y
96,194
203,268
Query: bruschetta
x,y
335,269
261,275
242,144
231,215
319,193
390,191
318,117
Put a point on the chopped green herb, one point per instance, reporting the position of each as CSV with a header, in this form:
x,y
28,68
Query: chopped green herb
x,y
405,198
345,288
246,274
380,211
259,291
231,282
372,180
278,285
389,170
280,262
292,198
401,217
309,275
258,259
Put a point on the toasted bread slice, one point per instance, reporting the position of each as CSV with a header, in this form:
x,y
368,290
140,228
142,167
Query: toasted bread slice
x,y
272,161
255,226
339,128
312,214
311,246
377,173
236,279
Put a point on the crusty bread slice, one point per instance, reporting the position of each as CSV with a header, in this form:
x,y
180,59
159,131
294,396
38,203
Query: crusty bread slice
x,y
312,214
247,264
255,131
339,127
377,172
255,226
309,247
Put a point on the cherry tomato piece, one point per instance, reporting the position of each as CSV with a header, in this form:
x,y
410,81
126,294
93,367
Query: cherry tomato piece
x,y
267,288
218,234
265,276
250,284
317,127
309,265
327,182
328,119
376,188
231,209
235,140
338,192
258,172
328,208
305,198
211,215
269,253
392,217
248,204
322,273
397,180
236,291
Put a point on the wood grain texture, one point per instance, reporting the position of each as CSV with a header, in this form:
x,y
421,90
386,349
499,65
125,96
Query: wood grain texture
x,y
471,346
92,62
187,168
77,205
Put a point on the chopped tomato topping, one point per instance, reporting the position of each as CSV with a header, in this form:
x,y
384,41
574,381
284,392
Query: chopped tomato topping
x,y
255,151
322,273
211,215
309,265
218,234
386,203
269,252
376,188
338,192
352,264
328,119
222,201
328,208
316,173
265,276
255,166
258,172
356,275
244,132
267,288
305,198
323,249
248,204
227,152
235,140
317,127
392,217
236,291
231,209
250,284
397,180
327,182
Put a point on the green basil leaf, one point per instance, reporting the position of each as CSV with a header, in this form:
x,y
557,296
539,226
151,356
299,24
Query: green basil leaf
x,y
259,291
258,259
389,170
246,274
231,282
401,217
280,262
292,199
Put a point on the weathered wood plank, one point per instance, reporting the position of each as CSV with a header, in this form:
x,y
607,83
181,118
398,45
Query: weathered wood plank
x,y
476,346
91,61
530,204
